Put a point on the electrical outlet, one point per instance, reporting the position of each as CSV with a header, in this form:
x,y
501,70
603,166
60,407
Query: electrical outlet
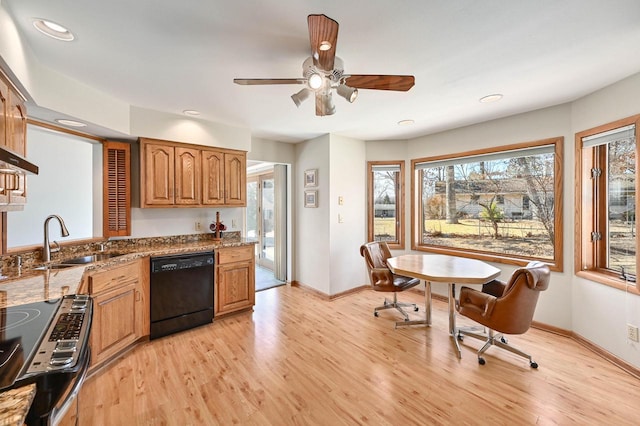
x,y
632,333
198,226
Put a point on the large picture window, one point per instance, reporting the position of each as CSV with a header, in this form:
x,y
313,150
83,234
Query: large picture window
x,y
385,202
502,204
606,243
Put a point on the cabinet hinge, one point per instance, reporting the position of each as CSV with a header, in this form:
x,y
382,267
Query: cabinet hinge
x,y
596,236
596,173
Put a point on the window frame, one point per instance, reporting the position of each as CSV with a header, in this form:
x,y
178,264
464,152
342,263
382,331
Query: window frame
x,y
590,255
400,202
555,264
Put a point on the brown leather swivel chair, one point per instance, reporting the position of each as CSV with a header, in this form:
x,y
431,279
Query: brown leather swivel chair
x,y
504,307
382,279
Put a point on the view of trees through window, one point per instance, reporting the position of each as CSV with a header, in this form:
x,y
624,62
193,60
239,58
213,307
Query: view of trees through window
x,y
385,202
621,206
501,202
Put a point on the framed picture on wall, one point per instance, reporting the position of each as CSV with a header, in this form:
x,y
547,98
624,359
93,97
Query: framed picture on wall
x,y
311,178
311,198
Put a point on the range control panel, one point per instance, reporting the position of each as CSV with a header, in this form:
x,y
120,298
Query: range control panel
x,y
66,336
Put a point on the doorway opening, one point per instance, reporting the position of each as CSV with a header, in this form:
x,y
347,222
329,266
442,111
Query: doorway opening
x,y
266,221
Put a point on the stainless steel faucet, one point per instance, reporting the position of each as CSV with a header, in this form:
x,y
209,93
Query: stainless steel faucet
x,y
46,249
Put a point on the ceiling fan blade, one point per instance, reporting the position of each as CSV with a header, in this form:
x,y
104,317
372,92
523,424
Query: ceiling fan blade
x,y
323,31
257,81
400,83
324,104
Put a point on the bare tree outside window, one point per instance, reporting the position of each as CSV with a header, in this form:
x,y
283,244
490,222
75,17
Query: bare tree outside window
x,y
497,202
386,184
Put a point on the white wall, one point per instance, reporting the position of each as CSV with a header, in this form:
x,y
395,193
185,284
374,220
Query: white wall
x,y
181,128
347,180
179,221
311,230
601,313
272,151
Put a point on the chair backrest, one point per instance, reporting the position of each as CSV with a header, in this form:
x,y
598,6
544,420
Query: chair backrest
x,y
375,255
513,311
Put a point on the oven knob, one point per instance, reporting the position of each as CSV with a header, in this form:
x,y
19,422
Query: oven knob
x,y
61,358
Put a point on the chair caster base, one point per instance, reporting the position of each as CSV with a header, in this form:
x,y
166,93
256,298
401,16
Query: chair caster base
x,y
375,314
533,364
416,309
481,361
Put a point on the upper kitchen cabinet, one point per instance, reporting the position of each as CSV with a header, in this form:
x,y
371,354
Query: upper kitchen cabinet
x,y
116,174
13,137
224,177
13,121
175,174
235,179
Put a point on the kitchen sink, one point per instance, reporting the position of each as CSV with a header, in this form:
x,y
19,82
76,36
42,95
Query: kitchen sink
x,y
53,266
82,260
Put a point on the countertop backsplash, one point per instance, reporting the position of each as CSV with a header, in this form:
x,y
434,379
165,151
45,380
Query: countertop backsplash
x,y
33,258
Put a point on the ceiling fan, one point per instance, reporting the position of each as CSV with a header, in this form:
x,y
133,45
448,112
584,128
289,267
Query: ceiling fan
x,y
324,71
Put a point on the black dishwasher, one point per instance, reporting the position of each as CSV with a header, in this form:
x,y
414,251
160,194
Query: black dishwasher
x,y
181,292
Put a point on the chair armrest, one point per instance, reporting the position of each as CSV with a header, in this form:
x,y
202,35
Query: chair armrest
x,y
494,288
474,300
381,277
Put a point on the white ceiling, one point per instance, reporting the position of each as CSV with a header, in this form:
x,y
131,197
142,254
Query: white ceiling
x,y
176,55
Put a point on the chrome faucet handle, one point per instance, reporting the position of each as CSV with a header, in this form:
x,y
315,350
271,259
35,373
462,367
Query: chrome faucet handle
x,y
56,247
101,247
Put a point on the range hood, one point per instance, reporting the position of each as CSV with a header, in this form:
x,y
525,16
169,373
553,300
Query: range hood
x,y
10,162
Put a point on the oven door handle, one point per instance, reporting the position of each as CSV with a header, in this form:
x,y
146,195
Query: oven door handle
x,y
57,413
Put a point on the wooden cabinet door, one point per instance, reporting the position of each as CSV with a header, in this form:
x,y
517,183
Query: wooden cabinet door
x,y
235,179
234,287
235,280
159,176
119,315
4,106
212,177
113,327
17,125
16,184
188,176
116,189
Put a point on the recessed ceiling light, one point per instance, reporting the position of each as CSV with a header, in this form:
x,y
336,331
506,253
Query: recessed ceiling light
x,y
324,45
71,123
405,122
53,29
491,98
191,112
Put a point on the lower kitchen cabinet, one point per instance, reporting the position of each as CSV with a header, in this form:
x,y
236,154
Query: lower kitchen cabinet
x,y
235,288
120,308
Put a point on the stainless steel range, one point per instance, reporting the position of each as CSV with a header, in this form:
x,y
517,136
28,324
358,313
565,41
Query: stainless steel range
x,y
46,343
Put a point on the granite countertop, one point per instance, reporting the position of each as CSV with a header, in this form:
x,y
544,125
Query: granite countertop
x,y
28,285
23,285
15,404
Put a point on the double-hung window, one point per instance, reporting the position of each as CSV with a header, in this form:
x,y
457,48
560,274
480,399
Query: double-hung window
x,y
606,243
502,204
385,202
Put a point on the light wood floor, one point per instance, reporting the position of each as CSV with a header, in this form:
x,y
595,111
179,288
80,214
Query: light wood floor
x,y
300,360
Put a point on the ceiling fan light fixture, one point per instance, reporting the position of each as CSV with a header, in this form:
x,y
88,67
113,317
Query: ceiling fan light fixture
x,y
349,93
314,81
328,107
325,45
300,97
